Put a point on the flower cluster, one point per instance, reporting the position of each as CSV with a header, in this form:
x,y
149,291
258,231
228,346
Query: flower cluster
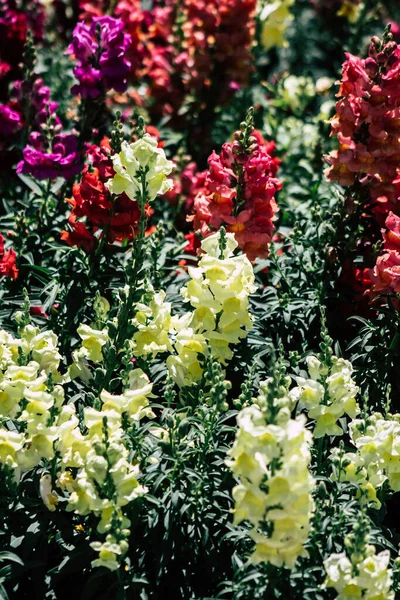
x,y
94,212
8,260
351,467
328,394
218,292
96,474
94,471
366,576
49,152
18,114
239,193
229,26
274,17
141,170
270,457
214,41
154,323
48,159
30,399
378,442
100,50
366,125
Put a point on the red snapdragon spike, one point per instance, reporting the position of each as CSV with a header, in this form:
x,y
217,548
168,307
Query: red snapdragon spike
x,y
367,125
244,205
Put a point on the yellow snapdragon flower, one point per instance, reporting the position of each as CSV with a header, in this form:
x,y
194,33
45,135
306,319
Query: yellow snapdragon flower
x,y
329,394
145,156
153,322
366,578
11,443
134,400
271,461
218,291
92,342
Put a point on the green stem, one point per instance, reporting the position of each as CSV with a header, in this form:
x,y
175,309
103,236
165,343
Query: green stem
x,y
124,312
42,217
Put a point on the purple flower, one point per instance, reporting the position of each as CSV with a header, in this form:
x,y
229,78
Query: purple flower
x,y
100,51
10,120
61,160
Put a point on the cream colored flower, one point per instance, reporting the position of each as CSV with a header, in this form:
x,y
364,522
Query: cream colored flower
x,y
141,168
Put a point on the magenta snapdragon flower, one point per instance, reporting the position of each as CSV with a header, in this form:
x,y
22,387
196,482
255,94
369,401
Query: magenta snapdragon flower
x,y
100,51
62,159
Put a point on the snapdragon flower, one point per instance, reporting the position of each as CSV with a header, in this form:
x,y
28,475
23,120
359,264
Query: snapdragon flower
x,y
106,479
141,170
154,322
29,398
134,401
368,578
93,341
239,192
378,443
270,457
218,291
328,394
101,53
351,467
8,260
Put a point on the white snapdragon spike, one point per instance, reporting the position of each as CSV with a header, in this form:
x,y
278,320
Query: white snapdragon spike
x,y
41,427
106,479
141,162
329,394
369,578
271,460
378,444
218,292
29,400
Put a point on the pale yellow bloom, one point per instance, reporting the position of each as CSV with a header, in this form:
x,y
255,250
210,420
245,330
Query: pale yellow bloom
x,y
143,155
